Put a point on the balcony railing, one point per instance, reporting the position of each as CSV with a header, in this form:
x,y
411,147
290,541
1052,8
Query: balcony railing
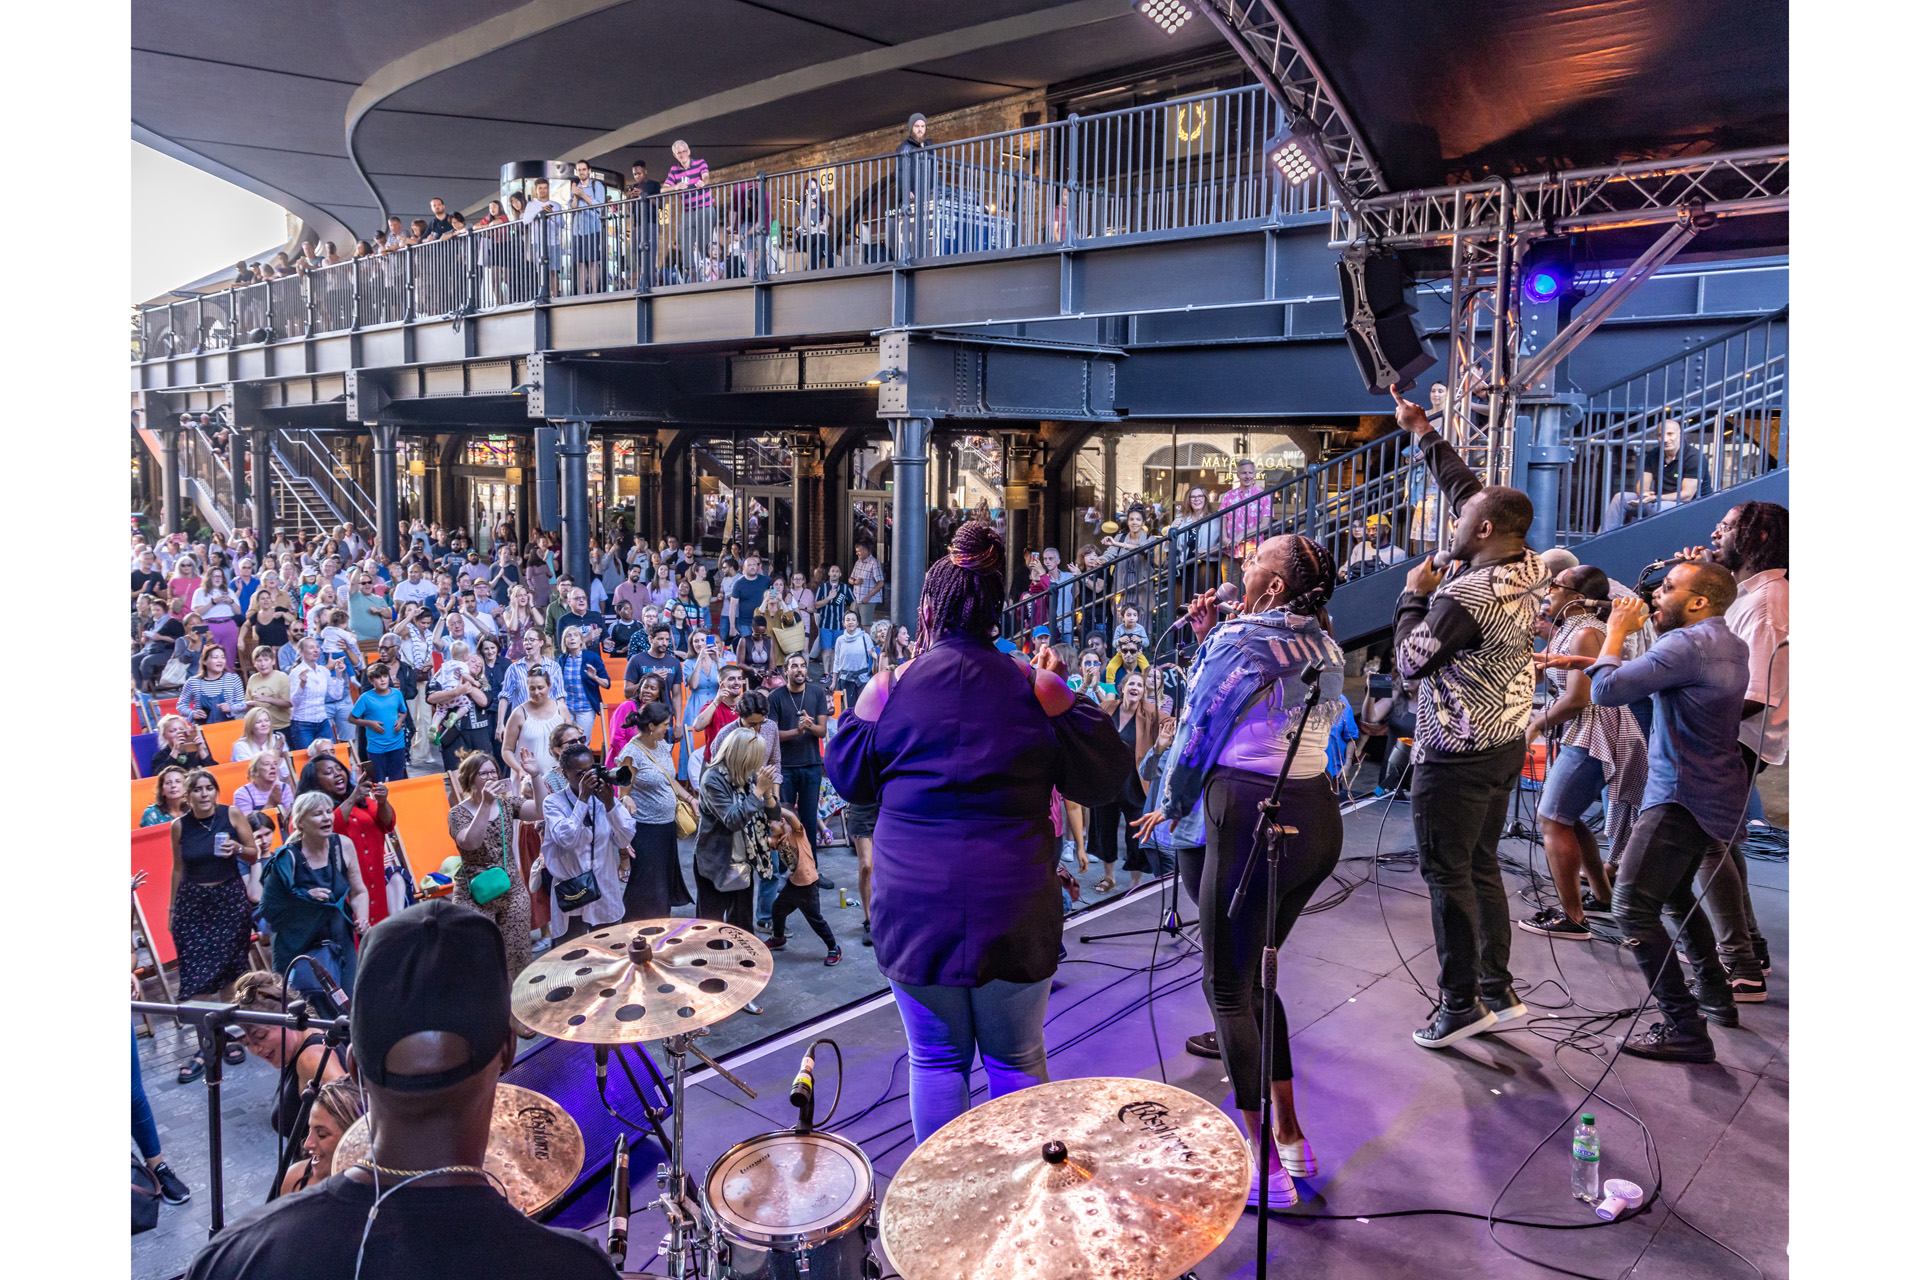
x,y
1176,166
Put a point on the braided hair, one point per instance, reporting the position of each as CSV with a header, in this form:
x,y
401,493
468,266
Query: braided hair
x,y
1759,537
965,589
1309,572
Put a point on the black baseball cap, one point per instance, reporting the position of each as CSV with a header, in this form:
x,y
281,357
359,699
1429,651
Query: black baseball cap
x,y
438,966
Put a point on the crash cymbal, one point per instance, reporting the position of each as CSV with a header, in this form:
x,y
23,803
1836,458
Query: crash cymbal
x,y
641,981
534,1147
1109,1178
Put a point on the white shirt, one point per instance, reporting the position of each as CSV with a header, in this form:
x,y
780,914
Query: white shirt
x,y
415,592
310,702
1759,616
587,836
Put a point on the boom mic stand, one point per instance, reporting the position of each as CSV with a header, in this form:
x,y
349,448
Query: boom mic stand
x,y
218,1024
1275,837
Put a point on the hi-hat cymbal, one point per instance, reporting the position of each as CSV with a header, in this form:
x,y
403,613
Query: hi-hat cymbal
x,y
641,981
1109,1178
534,1147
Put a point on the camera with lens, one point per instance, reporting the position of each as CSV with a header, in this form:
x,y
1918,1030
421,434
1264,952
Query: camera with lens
x,y
603,776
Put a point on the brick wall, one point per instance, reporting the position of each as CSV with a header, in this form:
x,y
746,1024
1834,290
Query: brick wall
x,y
997,116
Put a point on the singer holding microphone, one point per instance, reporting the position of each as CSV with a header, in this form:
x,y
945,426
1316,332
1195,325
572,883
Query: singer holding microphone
x,y
962,747
1249,686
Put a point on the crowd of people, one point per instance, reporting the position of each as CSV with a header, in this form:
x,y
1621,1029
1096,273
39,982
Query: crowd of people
x,y
755,706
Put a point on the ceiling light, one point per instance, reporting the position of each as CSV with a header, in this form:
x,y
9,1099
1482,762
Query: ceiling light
x,y
1296,153
1168,15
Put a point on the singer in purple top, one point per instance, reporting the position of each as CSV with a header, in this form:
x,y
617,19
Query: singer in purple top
x,y
1245,700
962,747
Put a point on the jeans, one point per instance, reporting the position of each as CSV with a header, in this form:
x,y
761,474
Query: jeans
x,y
1005,1021
145,1135
1231,945
1722,886
1657,867
301,733
765,888
1459,810
583,721
387,766
800,791
339,716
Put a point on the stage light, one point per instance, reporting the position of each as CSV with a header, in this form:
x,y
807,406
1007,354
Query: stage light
x,y
1168,15
1546,269
1296,154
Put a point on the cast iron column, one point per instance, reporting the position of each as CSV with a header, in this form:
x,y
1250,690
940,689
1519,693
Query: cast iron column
x,y
386,485
804,451
909,518
170,477
263,485
573,498
1019,456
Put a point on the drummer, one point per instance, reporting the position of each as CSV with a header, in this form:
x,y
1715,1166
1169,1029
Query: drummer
x,y
431,1034
966,906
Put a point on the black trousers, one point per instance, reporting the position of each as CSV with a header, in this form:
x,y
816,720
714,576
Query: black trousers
x,y
1657,867
709,903
806,900
800,789
1104,841
1231,945
654,883
1459,809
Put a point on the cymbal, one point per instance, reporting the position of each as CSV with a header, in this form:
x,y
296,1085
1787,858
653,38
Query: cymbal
x,y
642,981
534,1147
1105,1178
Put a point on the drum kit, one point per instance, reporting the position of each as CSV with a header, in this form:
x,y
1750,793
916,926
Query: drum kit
x,y
1093,1178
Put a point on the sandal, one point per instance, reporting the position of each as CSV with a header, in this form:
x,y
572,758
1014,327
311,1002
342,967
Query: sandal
x,y
236,1053
194,1069
1103,885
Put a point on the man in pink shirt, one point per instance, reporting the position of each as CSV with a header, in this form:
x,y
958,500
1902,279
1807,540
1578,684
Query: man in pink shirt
x,y
1244,528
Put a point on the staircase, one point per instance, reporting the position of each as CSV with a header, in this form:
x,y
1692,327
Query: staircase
x,y
312,493
1729,393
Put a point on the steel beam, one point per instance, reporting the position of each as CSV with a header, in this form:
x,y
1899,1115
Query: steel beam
x,y
910,436
573,499
386,485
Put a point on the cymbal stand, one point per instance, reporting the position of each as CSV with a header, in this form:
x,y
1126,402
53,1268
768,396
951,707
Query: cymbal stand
x,y
684,1229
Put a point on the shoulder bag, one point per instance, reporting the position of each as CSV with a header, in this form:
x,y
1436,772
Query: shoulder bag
x,y
686,821
578,892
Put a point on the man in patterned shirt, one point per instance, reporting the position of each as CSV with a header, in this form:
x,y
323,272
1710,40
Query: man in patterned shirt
x,y
868,585
696,207
1469,641
1247,526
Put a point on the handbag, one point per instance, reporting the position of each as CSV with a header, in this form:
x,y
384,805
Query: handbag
x,y
686,821
576,892
174,673
146,1199
488,885
792,639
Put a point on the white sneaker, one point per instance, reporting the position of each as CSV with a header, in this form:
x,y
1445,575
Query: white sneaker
x,y
1280,1191
1297,1158
1068,851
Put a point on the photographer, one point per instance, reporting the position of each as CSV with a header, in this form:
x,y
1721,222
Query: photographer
x,y
589,826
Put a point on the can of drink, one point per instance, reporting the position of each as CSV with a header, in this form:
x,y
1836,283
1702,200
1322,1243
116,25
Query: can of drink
x,y
843,897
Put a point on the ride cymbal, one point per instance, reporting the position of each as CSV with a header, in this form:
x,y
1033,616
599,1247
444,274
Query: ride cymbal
x,y
534,1147
644,980
1117,1179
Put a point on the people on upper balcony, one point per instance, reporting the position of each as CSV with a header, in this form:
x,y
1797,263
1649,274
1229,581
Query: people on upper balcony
x,y
1373,547
1682,477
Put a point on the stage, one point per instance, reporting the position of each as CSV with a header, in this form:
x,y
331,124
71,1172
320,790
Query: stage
x,y
1395,1127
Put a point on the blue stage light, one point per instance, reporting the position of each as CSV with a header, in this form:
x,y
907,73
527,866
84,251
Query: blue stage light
x,y
1546,269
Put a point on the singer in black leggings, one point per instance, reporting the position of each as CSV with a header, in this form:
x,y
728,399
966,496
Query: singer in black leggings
x,y
1231,945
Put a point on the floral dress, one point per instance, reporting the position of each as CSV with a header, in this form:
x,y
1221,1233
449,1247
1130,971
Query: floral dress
x,y
512,911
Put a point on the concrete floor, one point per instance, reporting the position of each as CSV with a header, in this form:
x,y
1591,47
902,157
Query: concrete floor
x,y
1395,1127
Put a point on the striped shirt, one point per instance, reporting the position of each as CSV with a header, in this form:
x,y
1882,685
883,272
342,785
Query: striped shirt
x,y
699,197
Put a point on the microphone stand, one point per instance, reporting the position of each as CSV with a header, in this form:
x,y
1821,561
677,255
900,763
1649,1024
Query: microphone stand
x,y
218,1025
1275,837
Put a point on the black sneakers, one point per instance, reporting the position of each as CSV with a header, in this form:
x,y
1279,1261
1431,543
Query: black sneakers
x,y
866,932
1450,1025
1591,906
1553,923
1664,1042
1760,954
1204,1045
1750,990
172,1190
1716,1006
1505,1005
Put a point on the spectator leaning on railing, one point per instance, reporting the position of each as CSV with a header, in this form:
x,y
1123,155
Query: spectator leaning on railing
x,y
696,207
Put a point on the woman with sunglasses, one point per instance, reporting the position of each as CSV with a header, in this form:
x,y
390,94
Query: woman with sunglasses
x,y
485,827
211,918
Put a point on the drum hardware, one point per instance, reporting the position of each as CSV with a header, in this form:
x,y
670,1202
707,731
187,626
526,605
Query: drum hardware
x,y
534,1147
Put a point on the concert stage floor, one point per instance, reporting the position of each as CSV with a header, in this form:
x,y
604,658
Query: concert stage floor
x,y
1395,1127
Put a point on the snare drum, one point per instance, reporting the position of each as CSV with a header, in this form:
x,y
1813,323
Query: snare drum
x,y
788,1205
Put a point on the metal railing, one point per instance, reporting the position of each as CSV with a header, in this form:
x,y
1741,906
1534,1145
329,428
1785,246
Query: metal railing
x,y
1729,396
204,466
1184,165
305,455
1371,507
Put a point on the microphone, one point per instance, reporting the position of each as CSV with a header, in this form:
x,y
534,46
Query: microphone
x,y
1311,673
1225,594
621,1206
600,1054
801,1095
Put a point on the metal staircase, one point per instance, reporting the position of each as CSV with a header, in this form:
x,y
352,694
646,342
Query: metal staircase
x,y
312,492
1729,394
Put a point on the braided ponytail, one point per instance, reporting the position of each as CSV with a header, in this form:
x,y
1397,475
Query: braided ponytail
x,y
1309,571
965,589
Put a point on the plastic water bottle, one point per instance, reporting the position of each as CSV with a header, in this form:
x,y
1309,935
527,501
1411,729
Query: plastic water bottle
x,y
1586,1160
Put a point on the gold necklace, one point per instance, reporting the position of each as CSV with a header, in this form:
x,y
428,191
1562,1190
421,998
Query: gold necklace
x,y
416,1173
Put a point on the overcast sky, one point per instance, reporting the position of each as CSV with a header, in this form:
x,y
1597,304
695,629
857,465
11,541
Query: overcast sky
x,y
187,223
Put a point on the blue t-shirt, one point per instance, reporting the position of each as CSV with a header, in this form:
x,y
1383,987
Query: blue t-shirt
x,y
1339,738
386,708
